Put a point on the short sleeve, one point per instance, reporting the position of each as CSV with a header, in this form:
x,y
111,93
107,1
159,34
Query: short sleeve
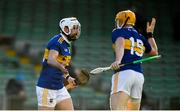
x,y
118,33
55,46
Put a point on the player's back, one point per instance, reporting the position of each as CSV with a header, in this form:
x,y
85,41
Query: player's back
x,y
135,46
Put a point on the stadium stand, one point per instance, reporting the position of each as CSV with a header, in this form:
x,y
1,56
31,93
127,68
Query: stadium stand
x,y
36,21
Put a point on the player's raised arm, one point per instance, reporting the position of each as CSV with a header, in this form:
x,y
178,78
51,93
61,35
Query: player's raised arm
x,y
150,29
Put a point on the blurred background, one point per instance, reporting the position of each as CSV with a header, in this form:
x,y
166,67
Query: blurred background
x,y
27,25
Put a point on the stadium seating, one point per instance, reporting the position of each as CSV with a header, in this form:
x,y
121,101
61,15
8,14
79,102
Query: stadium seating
x,y
37,21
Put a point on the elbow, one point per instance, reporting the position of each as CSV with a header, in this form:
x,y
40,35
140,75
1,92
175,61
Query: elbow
x,y
154,52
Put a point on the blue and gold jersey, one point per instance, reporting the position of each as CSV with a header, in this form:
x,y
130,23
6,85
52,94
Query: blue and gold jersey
x,y
52,77
135,46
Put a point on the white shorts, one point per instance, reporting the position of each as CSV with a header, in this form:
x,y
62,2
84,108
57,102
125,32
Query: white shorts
x,y
128,81
49,98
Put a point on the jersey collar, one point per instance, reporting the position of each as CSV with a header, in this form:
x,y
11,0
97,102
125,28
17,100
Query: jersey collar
x,y
64,37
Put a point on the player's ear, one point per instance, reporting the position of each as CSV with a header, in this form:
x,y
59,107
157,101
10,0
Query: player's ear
x,y
66,29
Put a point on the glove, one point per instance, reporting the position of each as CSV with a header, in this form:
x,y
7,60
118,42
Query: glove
x,y
82,76
70,83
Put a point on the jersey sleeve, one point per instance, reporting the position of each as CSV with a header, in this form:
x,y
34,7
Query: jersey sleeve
x,y
118,33
55,46
146,44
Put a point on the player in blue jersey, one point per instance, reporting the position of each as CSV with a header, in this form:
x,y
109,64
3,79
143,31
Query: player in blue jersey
x,y
129,45
51,92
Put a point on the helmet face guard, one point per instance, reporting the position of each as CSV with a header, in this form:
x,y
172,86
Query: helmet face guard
x,y
71,23
126,17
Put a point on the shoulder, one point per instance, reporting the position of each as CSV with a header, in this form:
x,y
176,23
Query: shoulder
x,y
55,38
119,30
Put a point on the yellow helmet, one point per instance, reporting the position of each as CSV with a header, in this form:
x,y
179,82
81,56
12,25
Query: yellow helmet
x,y
125,17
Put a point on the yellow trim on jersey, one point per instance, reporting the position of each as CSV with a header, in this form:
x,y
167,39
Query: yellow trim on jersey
x,y
46,53
128,46
64,59
116,80
44,97
61,59
127,43
61,39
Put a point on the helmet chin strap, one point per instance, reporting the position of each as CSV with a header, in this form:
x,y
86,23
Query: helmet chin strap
x,y
125,22
117,24
65,37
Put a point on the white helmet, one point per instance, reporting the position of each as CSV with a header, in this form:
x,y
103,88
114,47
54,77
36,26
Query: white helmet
x,y
69,22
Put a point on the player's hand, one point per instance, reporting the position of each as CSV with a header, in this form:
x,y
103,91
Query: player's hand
x,y
115,65
71,80
151,25
70,86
